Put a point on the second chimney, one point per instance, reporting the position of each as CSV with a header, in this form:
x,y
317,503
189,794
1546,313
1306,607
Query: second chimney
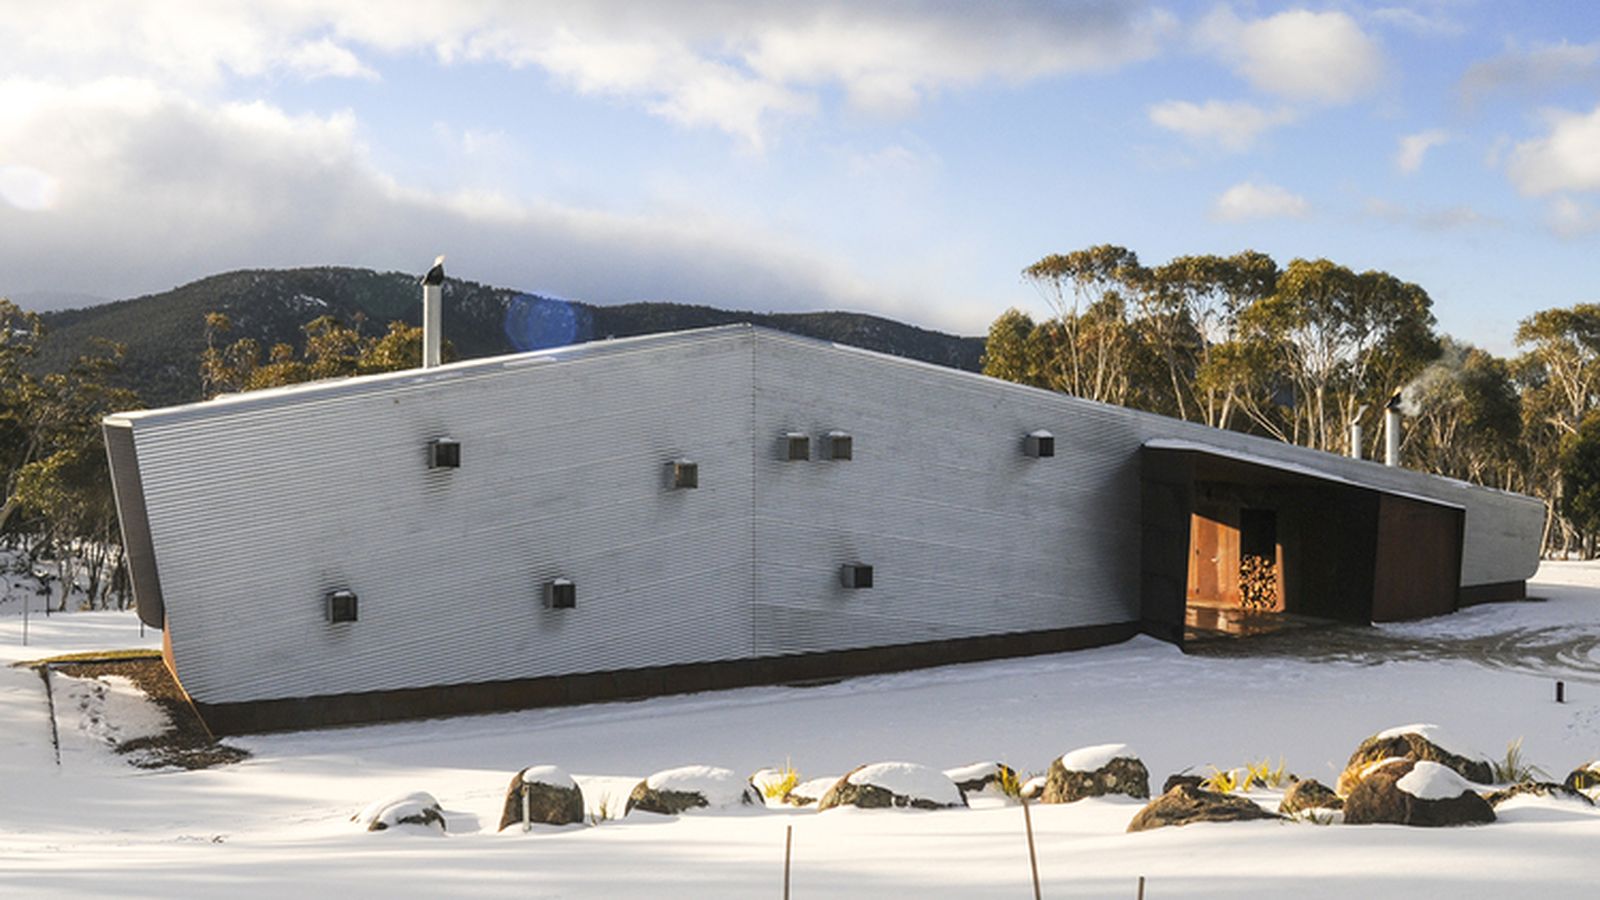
x,y
1391,431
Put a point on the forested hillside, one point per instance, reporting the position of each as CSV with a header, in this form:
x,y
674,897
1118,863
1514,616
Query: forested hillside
x,y
164,334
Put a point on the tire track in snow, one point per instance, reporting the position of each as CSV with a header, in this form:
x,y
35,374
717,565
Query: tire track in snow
x,y
1572,653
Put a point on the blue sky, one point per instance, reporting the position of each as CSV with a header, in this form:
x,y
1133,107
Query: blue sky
x,y
902,158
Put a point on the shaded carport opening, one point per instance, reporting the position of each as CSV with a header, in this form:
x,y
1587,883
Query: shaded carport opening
x,y
1223,530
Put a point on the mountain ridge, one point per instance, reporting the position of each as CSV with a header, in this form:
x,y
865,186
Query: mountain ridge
x,y
164,333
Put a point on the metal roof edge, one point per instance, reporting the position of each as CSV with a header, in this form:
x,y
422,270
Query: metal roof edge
x,y
1292,468
455,371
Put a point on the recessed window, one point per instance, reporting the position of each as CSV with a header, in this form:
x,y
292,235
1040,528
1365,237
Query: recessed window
x,y
685,473
444,453
855,576
1039,444
797,446
840,446
341,606
561,593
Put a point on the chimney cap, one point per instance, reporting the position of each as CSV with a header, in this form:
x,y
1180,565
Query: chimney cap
x,y
436,274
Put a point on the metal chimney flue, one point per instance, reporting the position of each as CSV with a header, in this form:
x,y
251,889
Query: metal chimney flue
x,y
432,304
1391,431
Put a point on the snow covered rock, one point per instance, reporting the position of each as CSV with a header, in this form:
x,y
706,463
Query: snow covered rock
x,y
1424,742
1033,788
1585,778
1538,789
1308,794
691,787
893,784
808,792
416,808
552,798
1095,772
1186,804
1415,792
983,777
1182,778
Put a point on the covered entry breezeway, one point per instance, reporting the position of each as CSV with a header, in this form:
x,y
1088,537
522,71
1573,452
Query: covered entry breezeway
x,y
1236,543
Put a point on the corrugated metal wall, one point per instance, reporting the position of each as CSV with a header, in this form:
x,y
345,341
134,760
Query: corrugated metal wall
x,y
966,534
260,505
258,510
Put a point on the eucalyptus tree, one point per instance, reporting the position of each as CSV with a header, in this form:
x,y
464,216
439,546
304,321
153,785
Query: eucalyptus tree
x,y
1338,341
332,350
1466,419
1192,310
1560,378
1091,338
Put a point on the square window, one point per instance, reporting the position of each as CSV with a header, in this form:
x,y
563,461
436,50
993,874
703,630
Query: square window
x,y
685,474
798,447
444,453
561,594
1040,444
341,606
840,446
856,576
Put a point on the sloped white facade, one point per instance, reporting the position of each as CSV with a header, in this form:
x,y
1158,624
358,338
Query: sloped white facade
x,y
259,505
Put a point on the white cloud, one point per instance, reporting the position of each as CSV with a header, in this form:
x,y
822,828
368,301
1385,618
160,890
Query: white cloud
x,y
1565,159
891,161
1405,18
1533,70
325,59
1413,147
1300,55
1250,200
1230,126
27,188
724,64
1446,219
1570,219
163,187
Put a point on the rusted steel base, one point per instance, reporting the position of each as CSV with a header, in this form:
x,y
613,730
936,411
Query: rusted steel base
x,y
630,684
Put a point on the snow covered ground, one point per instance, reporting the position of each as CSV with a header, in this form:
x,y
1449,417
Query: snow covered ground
x,y
280,822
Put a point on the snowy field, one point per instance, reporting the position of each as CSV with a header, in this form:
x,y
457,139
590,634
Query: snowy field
x,y
278,824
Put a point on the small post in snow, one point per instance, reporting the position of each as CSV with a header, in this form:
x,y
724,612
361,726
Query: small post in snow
x,y
1561,692
25,600
1033,858
1141,887
788,846
527,811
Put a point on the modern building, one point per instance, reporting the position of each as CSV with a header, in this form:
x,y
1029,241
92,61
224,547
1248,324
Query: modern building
x,y
725,507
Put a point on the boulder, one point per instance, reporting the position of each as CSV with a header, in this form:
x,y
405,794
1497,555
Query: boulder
x,y
1095,772
1182,778
893,784
1033,788
416,808
1186,803
983,777
553,798
1415,792
808,792
1585,777
1538,789
1424,742
678,790
1308,794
